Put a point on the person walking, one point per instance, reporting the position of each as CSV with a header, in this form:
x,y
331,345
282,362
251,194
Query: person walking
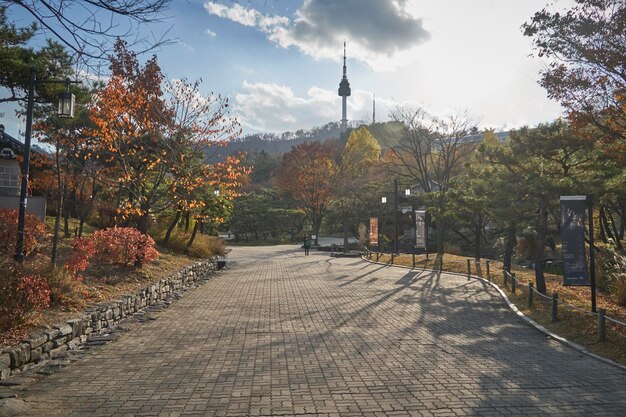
x,y
307,245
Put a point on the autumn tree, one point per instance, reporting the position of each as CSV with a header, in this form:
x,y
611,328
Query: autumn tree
x,y
131,119
201,126
308,174
586,46
431,153
360,153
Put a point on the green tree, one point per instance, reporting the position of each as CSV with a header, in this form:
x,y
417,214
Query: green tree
x,y
17,57
263,212
543,163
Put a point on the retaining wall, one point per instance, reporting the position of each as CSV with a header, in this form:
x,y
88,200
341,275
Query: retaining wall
x,y
65,336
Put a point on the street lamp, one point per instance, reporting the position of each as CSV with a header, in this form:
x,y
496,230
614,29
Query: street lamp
x,y
66,104
65,109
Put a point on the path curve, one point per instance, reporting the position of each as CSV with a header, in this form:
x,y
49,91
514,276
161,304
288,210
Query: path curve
x,y
284,334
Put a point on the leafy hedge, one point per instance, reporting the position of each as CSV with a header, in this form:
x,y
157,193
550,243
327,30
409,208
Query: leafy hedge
x,y
124,246
22,295
35,232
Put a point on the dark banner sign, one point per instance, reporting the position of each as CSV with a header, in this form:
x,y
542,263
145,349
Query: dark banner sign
x,y
573,237
373,231
420,229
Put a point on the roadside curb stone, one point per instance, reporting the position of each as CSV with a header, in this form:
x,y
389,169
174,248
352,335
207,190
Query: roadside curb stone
x,y
56,341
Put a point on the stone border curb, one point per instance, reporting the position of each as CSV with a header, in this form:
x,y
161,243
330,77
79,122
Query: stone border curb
x,y
527,320
62,337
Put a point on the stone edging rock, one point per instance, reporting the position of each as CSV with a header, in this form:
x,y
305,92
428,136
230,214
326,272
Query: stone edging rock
x,y
67,336
530,322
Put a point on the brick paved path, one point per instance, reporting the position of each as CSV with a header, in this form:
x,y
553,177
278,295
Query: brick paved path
x,y
284,334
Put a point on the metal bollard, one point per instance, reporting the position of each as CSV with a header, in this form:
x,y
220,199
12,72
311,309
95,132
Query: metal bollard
x,y
413,260
469,269
377,256
530,295
488,276
513,283
555,300
601,324
392,257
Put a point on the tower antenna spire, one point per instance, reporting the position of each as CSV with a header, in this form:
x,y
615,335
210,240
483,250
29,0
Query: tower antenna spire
x,y
374,109
344,92
344,59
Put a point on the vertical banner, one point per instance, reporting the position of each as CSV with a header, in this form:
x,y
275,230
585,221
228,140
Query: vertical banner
x,y
573,238
420,229
373,231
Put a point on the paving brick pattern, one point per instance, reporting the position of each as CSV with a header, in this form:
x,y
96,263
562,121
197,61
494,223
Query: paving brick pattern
x,y
283,334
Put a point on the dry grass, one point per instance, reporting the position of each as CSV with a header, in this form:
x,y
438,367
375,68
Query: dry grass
x,y
203,246
576,326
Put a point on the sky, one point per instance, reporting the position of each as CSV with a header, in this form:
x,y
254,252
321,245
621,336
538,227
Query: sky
x,y
279,61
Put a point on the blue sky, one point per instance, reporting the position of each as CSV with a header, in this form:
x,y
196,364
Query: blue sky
x,y
279,62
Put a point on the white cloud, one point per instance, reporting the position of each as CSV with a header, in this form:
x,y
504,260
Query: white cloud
x,y
187,46
382,34
210,33
275,108
236,13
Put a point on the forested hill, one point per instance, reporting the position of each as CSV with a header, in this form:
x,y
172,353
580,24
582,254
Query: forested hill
x,y
387,134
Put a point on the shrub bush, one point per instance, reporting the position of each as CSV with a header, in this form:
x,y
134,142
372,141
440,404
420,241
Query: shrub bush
x,y
22,295
35,232
124,246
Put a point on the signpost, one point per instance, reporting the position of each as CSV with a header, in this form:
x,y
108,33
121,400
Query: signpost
x,y
421,237
373,231
575,270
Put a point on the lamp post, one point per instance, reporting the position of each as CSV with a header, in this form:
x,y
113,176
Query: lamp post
x,y
65,109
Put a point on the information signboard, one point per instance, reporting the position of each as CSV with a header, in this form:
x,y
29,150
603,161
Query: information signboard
x,y
420,229
573,238
373,231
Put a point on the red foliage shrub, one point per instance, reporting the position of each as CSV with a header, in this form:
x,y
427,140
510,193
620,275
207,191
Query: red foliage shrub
x,y
125,246
35,233
21,294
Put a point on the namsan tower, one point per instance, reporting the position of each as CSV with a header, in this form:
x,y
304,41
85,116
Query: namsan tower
x,y
344,92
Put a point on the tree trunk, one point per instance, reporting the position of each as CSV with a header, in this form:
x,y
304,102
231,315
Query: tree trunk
x,y
604,226
67,212
171,227
317,225
57,230
142,225
193,234
477,237
187,215
614,232
542,231
509,245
